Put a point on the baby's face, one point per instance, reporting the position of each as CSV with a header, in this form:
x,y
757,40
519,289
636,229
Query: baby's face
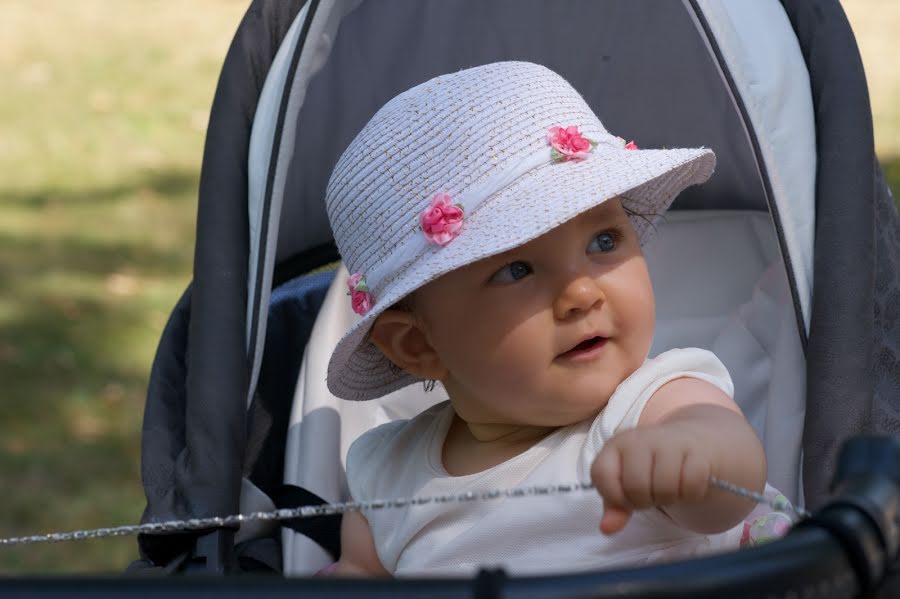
x,y
543,334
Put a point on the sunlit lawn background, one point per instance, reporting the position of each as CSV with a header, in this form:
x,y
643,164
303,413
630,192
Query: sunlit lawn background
x,y
103,112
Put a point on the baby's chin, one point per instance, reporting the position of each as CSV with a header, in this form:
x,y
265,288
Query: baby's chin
x,y
589,394
539,416
589,413
557,404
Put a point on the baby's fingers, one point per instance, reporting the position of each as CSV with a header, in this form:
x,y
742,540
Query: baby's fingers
x,y
667,467
614,519
606,474
637,476
694,478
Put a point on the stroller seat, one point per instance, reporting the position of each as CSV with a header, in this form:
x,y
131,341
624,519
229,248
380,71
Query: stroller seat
x,y
734,301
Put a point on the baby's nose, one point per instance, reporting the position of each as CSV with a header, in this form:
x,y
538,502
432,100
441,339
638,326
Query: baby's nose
x,y
577,295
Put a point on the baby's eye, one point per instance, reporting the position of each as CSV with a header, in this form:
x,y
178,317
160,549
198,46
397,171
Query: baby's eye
x,y
604,242
512,272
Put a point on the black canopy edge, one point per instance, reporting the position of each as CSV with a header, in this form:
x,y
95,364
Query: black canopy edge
x,y
195,470
839,382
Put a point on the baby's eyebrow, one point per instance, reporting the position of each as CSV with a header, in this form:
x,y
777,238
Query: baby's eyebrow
x,y
490,263
503,257
605,214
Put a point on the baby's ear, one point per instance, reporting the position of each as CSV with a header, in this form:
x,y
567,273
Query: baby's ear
x,y
400,337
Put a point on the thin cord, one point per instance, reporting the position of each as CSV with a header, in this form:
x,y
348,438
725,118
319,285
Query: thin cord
x,y
311,511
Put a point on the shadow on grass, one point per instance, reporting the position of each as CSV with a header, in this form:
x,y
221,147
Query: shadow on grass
x,y
167,183
76,306
70,416
78,256
83,486
75,349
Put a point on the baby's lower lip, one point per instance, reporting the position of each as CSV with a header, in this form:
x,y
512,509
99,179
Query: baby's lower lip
x,y
586,354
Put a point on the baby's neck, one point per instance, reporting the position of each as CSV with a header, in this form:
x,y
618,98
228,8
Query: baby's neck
x,y
473,447
505,434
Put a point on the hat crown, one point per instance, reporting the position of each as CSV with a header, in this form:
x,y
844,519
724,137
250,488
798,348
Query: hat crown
x,y
443,136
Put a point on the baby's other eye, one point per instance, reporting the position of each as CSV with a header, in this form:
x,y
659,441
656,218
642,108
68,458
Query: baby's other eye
x,y
512,272
604,242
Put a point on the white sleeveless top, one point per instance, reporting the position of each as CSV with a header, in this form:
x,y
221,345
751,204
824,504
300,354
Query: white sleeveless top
x,y
526,535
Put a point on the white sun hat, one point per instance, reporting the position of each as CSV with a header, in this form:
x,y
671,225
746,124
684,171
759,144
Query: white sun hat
x,y
466,166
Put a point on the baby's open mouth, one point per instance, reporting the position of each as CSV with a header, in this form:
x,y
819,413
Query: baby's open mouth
x,y
585,347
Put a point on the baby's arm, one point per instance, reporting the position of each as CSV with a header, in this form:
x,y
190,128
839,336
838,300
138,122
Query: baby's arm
x,y
689,430
358,554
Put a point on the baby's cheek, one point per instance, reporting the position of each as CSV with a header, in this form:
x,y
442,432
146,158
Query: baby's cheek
x,y
507,371
637,329
511,377
634,307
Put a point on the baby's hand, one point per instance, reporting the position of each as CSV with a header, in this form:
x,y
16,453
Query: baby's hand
x,y
651,466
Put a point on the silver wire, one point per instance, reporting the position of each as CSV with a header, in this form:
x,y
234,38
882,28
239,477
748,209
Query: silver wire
x,y
311,511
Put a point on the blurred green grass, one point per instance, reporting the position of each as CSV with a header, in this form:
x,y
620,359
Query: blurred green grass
x,y
876,24
103,119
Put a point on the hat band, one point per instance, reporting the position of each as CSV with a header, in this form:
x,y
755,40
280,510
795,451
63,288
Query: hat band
x,y
418,245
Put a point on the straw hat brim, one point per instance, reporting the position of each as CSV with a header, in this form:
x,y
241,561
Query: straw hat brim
x,y
544,198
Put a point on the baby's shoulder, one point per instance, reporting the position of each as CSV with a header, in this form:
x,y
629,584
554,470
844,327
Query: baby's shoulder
x,y
684,356
693,362
624,408
372,440
394,445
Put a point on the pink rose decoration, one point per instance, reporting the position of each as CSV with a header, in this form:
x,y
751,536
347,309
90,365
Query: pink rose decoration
x,y
442,221
567,143
360,298
764,529
745,535
628,146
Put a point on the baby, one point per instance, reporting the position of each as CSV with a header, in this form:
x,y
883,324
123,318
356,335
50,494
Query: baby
x,y
494,231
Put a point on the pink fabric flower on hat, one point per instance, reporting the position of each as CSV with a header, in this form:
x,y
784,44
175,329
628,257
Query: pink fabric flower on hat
x,y
567,143
631,146
442,221
360,297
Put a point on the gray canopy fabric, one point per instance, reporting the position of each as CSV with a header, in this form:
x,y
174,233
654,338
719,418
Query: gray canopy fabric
x,y
301,78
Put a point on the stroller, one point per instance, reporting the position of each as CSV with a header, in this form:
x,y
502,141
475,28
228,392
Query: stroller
x,y
784,264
